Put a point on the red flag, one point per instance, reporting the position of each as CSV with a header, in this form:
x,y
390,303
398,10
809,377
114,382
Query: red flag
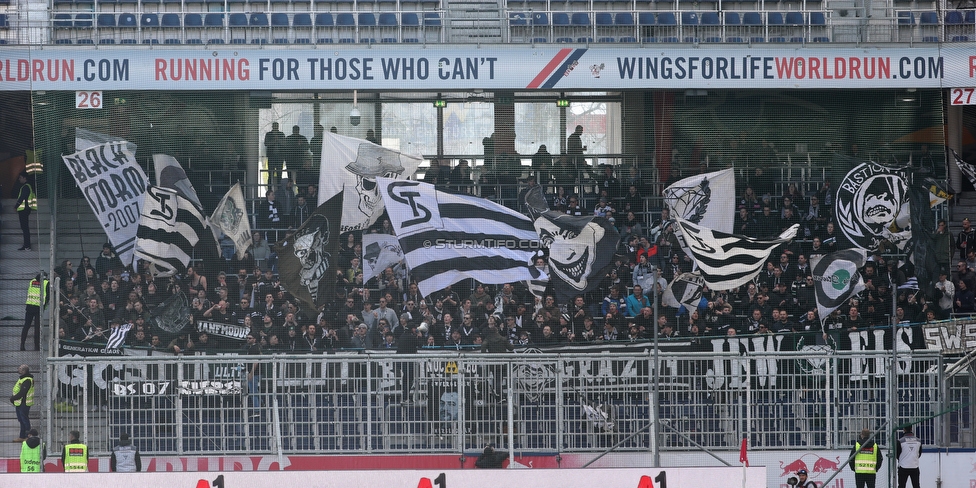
x,y
743,452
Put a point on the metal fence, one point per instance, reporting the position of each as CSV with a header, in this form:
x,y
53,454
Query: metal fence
x,y
532,402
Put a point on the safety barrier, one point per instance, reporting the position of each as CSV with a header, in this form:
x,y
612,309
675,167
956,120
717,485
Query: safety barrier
x,y
534,402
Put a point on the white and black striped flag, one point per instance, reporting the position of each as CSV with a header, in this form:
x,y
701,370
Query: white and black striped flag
x,y
117,339
446,238
727,261
169,229
837,278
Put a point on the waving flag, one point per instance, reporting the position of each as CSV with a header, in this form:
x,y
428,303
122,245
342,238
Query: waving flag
x,y
685,289
725,260
230,217
837,279
308,261
446,238
117,210
707,199
967,169
380,251
169,229
351,166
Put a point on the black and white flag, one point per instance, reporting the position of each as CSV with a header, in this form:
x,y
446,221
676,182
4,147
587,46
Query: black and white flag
x,y
837,278
307,262
351,166
727,261
169,229
967,169
706,199
380,251
446,238
685,289
117,339
230,217
873,204
114,184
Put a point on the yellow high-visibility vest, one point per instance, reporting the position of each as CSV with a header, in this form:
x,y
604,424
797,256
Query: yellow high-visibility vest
x,y
866,460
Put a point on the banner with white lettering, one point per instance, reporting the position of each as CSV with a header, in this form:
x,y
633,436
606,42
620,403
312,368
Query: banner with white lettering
x,y
230,331
114,185
951,336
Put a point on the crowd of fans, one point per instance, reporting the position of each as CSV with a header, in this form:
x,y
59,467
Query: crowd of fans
x,y
96,299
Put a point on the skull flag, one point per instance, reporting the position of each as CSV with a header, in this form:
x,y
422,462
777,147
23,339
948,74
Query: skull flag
x,y
308,260
351,165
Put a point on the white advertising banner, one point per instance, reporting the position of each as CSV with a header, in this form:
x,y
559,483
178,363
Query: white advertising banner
x,y
500,67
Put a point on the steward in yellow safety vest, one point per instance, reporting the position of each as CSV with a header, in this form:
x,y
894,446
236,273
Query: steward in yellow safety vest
x,y
866,459
22,400
37,297
32,453
75,455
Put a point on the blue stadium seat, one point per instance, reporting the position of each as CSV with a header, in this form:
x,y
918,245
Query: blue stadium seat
x,y
580,19
171,21
193,20
324,23
83,21
214,20
346,24
106,20
410,23
63,21
432,19
670,22
795,19
953,17
238,20
259,19
149,22
689,18
774,18
517,19
279,28
710,19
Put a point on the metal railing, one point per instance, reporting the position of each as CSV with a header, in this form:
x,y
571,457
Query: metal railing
x,y
442,402
70,23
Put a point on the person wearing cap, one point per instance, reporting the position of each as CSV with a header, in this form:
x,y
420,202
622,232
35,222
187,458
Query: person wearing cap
x,y
866,460
74,457
22,400
909,450
32,453
803,481
26,202
125,456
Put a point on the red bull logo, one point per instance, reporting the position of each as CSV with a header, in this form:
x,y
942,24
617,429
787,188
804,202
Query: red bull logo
x,y
792,467
824,465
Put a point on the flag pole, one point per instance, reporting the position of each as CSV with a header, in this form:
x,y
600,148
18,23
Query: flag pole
x,y
744,456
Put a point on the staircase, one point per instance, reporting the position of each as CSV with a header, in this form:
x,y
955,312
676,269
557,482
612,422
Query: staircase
x,y
16,269
475,21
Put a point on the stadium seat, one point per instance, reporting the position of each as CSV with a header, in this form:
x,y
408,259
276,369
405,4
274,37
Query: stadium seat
x,y
929,24
346,27
645,26
279,28
237,22
669,22
410,25
302,23
324,24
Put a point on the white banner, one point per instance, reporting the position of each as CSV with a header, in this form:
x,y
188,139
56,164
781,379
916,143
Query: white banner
x,y
515,67
115,186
